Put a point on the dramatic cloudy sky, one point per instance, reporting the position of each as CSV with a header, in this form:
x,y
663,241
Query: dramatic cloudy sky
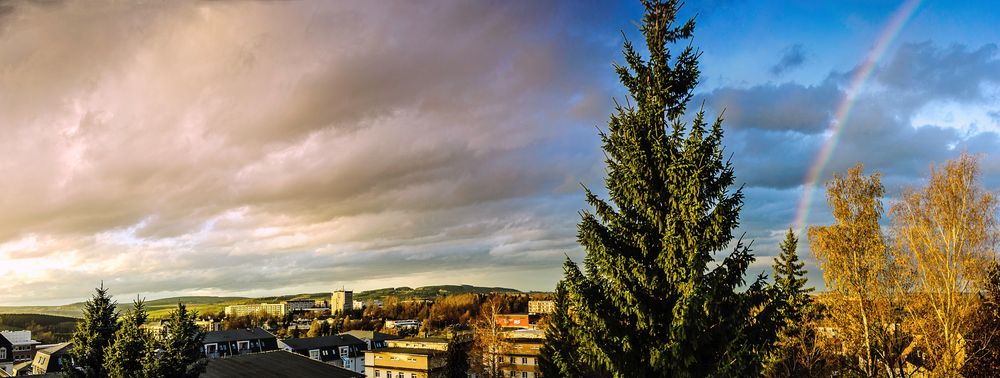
x,y
255,148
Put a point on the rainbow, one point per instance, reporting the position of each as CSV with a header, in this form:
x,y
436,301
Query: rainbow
x,y
857,82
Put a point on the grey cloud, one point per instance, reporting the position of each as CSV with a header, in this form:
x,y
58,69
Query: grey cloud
x,y
787,106
956,72
792,57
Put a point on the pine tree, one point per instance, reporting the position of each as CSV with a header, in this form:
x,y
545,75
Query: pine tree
x,y
789,277
797,351
651,300
559,355
93,335
133,347
180,355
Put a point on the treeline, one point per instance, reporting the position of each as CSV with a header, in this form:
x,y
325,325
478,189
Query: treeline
x,y
47,329
662,290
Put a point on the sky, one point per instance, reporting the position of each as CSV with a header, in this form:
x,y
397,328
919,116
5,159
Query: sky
x,y
259,148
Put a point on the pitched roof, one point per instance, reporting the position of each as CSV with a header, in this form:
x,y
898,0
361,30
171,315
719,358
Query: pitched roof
x,y
307,343
57,349
236,335
371,335
276,364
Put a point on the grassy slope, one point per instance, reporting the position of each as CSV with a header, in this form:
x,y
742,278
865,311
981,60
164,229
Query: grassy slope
x,y
210,305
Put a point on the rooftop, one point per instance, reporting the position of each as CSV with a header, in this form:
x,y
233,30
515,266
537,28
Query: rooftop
x,y
371,335
276,364
420,351
237,334
322,341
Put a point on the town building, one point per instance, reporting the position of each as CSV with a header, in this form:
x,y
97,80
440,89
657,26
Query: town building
x,y
342,301
274,309
394,362
541,307
407,323
274,364
238,341
50,359
359,305
301,305
515,320
373,340
158,328
6,357
520,360
23,345
434,343
345,351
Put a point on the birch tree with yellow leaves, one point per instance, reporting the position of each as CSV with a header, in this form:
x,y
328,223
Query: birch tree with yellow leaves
x,y
945,235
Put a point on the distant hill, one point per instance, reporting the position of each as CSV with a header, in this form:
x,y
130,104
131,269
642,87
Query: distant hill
x,y
211,305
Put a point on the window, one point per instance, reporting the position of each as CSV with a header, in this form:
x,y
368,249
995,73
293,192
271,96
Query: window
x,y
242,345
3,353
413,375
513,373
377,373
512,359
524,374
524,360
400,375
314,354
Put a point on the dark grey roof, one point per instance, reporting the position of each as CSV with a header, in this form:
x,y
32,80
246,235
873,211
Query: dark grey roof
x,y
237,335
307,343
277,364
371,335
57,350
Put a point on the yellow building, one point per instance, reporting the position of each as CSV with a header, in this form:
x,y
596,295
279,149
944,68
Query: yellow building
x,y
541,307
341,301
275,309
395,362
521,360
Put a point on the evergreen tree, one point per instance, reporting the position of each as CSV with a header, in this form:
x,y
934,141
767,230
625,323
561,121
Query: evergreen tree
x,y
133,348
93,335
797,352
180,355
457,365
651,300
559,355
789,277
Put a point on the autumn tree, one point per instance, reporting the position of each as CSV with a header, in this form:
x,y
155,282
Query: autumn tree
x,y
651,299
983,340
859,270
489,344
946,233
94,334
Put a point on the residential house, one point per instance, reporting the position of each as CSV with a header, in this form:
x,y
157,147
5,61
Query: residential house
x,y
299,305
24,346
521,359
395,362
238,341
6,356
345,351
279,364
50,359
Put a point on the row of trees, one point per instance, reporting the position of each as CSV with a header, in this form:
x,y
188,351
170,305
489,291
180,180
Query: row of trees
x,y
913,298
109,344
652,297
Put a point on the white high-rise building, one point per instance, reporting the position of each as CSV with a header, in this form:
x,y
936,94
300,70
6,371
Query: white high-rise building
x,y
342,301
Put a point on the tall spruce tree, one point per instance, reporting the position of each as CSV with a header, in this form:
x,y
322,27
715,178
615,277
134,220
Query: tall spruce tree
x,y
180,356
559,355
651,300
789,277
133,348
93,335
